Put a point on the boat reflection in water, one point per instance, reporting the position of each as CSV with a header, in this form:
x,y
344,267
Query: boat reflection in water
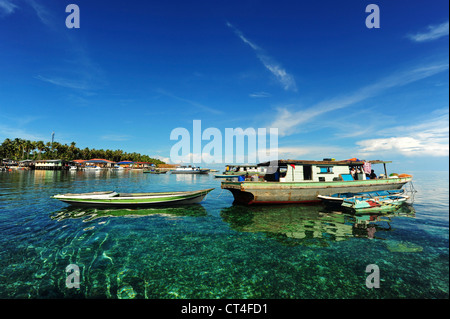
x,y
88,213
309,224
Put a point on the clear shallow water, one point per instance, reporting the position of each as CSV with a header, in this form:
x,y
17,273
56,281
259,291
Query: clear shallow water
x,y
214,250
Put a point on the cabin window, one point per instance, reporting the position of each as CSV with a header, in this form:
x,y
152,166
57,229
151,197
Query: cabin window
x,y
326,169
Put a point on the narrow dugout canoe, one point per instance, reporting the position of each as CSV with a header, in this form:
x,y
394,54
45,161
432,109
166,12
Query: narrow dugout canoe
x,y
108,199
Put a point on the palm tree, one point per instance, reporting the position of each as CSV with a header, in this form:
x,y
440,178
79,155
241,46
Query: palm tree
x,y
14,149
33,148
28,146
8,148
48,150
18,145
40,146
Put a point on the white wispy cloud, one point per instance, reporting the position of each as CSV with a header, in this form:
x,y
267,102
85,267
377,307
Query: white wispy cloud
x,y
433,32
17,126
76,70
260,94
7,8
59,81
288,122
7,131
44,15
161,158
116,137
200,106
285,79
427,138
311,152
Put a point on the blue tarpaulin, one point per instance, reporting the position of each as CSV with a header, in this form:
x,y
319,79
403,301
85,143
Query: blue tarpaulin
x,y
98,161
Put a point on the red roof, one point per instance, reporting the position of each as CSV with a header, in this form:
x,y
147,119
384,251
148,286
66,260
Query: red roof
x,y
98,160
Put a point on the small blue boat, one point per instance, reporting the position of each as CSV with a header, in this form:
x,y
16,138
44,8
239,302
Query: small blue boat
x,y
366,201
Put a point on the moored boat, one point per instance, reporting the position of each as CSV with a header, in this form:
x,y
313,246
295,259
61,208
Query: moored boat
x,y
111,198
301,181
375,204
154,172
336,200
189,170
92,168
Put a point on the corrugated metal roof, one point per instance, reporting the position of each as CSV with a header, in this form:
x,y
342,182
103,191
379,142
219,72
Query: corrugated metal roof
x,y
98,160
311,162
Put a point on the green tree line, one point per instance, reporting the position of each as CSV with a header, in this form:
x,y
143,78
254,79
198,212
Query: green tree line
x,y
21,149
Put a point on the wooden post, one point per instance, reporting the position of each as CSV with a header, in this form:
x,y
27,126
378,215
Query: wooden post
x,y
385,171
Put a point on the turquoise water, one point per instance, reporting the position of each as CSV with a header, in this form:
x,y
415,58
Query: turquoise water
x,y
214,250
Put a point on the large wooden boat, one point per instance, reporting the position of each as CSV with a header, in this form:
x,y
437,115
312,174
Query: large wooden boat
x,y
299,181
107,199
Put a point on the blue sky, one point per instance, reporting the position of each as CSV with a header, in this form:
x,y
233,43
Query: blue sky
x,y
136,70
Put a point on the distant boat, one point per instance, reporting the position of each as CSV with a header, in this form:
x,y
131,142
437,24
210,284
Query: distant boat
x,y
154,172
189,170
111,198
92,168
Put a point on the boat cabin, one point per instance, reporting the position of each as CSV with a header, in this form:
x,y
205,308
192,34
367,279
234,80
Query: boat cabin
x,y
187,168
320,171
245,168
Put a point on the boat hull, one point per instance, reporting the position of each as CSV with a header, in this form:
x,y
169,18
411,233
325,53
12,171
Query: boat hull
x,y
226,176
304,192
154,172
135,200
373,206
189,172
336,200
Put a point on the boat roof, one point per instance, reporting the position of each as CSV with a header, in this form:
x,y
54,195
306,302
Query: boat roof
x,y
242,165
311,162
98,160
49,161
